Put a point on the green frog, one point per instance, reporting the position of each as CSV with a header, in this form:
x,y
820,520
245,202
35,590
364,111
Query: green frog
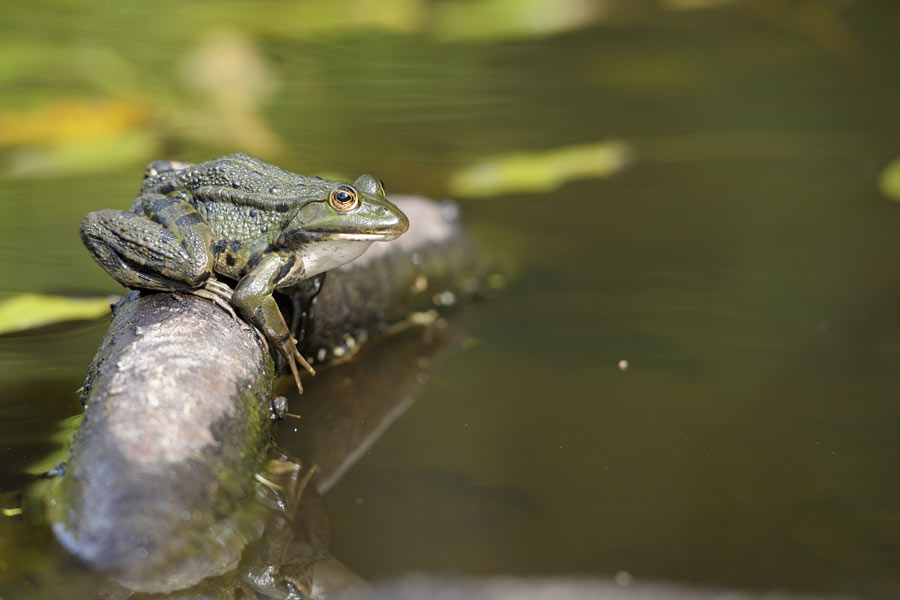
x,y
242,219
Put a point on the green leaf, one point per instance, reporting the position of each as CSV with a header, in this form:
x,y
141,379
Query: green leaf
x,y
539,172
94,156
27,311
889,180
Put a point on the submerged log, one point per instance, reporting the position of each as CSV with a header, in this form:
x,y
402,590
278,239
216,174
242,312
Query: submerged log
x,y
570,587
160,490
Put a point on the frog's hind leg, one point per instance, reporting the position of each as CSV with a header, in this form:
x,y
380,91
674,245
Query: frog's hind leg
x,y
166,248
169,249
138,252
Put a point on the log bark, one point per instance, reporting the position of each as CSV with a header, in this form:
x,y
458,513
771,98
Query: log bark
x,y
160,491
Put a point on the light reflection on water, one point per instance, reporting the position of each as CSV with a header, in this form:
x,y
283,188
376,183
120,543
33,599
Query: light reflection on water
x,y
744,265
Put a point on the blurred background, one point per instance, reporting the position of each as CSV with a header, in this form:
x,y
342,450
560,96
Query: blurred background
x,y
692,373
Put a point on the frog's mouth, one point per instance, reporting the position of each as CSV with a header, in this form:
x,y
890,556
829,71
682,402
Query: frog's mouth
x,y
361,237
300,236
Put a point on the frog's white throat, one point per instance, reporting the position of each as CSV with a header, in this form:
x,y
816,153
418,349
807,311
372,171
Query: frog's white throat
x,y
323,255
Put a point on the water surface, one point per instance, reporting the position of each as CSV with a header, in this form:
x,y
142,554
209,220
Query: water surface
x,y
744,264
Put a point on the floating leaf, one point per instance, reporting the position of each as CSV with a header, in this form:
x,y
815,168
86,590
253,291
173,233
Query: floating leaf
x,y
76,136
540,171
27,311
95,156
685,5
72,120
513,19
889,180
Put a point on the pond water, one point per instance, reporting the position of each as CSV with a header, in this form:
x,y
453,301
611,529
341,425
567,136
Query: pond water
x,y
739,257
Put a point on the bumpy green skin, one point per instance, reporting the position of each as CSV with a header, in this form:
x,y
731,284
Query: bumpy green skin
x,y
240,218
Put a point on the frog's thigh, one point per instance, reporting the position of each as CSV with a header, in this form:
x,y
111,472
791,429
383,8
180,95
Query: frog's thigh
x,y
191,232
135,251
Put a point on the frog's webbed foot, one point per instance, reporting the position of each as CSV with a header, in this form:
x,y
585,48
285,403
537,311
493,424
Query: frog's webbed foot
x,y
288,349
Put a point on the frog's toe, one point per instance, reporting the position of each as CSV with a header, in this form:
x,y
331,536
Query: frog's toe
x,y
206,293
218,292
292,355
221,289
262,338
293,365
302,360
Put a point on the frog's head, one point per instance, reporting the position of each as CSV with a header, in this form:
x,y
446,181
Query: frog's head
x,y
340,221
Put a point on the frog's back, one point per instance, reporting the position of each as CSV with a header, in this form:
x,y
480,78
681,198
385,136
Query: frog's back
x,y
235,175
240,198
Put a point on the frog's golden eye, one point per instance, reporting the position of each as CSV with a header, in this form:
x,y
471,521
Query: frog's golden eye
x,y
343,198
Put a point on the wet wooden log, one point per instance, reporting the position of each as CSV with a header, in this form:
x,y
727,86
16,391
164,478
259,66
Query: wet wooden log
x,y
160,489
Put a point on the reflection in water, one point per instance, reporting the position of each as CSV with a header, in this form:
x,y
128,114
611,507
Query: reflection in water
x,y
343,415
352,405
345,409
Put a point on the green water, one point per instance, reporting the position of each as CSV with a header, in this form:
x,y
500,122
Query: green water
x,y
744,263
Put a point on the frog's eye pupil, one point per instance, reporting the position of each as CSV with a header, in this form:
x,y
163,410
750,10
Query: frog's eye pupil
x,y
342,196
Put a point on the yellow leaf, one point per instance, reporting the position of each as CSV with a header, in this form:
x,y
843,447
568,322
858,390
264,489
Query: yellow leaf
x,y
94,156
70,120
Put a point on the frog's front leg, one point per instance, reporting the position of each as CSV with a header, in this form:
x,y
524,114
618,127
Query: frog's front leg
x,y
253,299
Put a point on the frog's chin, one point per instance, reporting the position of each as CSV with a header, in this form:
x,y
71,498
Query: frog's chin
x,y
334,252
